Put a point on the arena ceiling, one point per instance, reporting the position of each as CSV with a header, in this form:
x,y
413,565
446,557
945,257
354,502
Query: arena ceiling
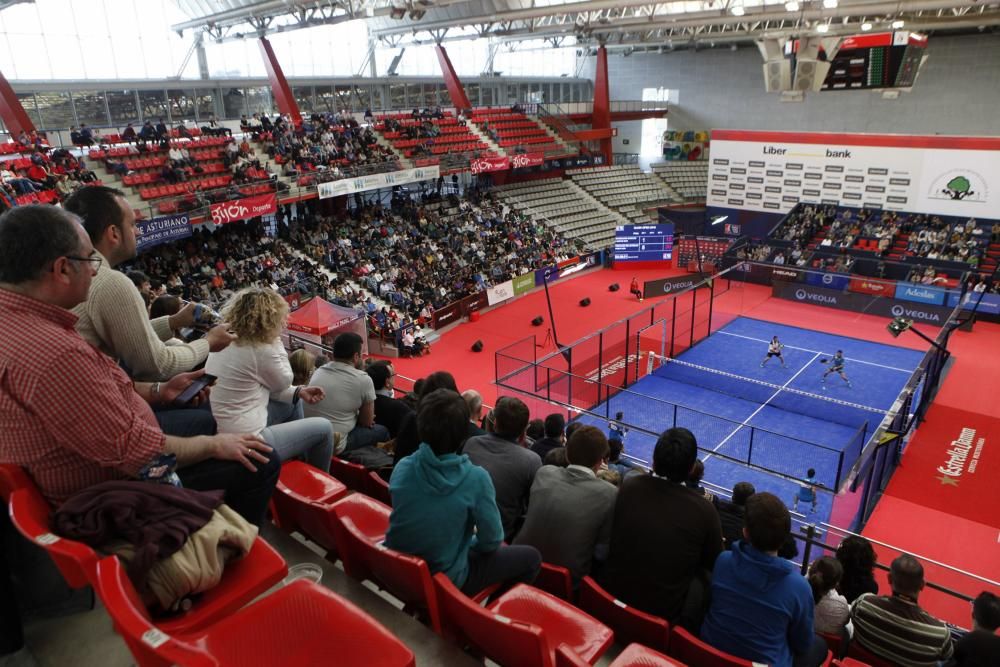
x,y
617,23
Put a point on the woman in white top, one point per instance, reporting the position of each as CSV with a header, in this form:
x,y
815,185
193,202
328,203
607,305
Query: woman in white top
x,y
833,613
254,391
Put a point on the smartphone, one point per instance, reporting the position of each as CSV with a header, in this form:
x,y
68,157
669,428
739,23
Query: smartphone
x,y
200,383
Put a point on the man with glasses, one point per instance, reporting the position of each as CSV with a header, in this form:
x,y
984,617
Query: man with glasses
x,y
72,418
114,316
389,410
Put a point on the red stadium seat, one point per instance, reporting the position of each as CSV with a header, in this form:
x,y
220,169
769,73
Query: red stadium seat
x,y
303,501
300,624
556,580
859,652
378,488
629,624
634,655
850,662
689,649
523,627
353,475
358,519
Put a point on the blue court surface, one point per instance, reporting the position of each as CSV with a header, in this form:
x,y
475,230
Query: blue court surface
x,y
781,419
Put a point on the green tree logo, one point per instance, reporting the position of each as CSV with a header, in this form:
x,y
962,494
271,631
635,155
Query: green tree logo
x,y
958,188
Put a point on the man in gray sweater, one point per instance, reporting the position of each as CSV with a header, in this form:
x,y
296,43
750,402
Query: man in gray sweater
x,y
504,456
570,513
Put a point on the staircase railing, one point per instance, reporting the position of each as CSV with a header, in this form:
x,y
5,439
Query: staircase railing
x,y
554,116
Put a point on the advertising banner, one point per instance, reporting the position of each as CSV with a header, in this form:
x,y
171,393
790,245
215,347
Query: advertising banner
x,y
784,273
524,283
772,171
653,288
294,300
990,304
473,303
876,287
447,315
501,292
347,186
831,280
161,229
920,293
861,303
244,209
527,160
484,164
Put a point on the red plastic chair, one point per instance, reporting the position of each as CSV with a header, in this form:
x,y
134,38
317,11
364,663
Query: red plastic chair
x,y
522,627
303,501
833,642
629,623
378,488
555,579
300,624
358,518
689,649
634,655
849,662
859,652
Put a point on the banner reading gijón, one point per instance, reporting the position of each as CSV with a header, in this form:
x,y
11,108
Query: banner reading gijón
x,y
483,164
244,209
161,229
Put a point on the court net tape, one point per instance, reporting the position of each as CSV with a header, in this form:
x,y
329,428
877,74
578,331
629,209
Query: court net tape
x,y
653,357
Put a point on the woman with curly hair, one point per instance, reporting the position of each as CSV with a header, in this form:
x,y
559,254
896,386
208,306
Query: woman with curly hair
x,y
254,391
857,556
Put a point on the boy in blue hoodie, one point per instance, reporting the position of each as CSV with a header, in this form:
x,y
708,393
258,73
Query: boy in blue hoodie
x,y
444,508
762,608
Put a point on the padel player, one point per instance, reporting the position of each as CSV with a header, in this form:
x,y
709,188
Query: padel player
x,y
836,366
774,350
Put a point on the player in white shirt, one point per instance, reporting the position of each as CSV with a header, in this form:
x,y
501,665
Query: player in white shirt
x,y
774,350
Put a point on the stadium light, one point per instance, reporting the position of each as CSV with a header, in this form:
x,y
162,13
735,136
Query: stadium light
x,y
719,219
829,4
738,10
792,6
865,27
823,28
897,24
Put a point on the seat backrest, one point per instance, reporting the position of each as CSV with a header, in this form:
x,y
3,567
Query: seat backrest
x,y
404,576
353,475
503,640
566,657
378,488
689,649
369,515
834,642
359,521
637,655
149,645
303,502
555,579
629,623
30,514
12,477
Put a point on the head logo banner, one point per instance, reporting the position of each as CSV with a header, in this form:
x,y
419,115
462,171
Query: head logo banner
x,y
484,164
159,230
244,209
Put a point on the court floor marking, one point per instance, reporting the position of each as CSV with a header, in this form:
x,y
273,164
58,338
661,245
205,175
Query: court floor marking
x,y
763,405
805,349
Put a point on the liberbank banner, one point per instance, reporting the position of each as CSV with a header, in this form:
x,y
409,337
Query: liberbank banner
x,y
861,303
349,186
772,171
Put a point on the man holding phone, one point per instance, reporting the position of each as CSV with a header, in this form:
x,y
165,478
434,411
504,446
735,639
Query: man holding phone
x,y
72,417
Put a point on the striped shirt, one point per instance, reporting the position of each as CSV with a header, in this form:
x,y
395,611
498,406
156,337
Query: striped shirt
x,y
68,414
897,629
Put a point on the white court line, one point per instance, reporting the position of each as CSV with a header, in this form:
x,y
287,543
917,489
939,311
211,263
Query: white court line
x,y
805,349
746,422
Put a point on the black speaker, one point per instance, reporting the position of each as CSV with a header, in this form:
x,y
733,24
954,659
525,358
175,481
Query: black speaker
x,y
614,287
538,321
585,301
477,346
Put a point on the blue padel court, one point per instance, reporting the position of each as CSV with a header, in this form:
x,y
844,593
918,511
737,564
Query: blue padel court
x,y
784,419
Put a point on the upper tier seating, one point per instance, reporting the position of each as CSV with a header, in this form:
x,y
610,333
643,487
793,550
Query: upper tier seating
x,y
559,204
688,179
624,188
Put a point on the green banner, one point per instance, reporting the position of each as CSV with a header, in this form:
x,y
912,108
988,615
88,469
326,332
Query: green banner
x,y
524,283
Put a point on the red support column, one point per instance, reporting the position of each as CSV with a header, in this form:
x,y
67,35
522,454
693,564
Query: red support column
x,y
279,85
601,119
15,118
455,89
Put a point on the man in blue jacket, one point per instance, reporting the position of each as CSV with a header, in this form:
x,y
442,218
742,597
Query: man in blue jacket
x,y
762,608
444,508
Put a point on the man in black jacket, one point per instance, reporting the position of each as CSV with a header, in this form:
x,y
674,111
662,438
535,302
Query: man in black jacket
x,y
555,435
389,411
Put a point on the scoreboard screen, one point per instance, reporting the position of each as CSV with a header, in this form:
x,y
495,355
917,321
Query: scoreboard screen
x,y
644,243
877,60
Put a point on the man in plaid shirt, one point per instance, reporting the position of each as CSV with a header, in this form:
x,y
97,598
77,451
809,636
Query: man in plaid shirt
x,y
68,414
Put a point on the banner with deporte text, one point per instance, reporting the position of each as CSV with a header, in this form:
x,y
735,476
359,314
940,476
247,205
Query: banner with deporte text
x,y
244,209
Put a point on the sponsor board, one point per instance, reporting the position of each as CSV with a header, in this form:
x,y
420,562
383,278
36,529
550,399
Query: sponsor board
x,y
920,293
485,164
654,288
837,281
869,286
348,186
526,160
524,283
870,304
161,229
786,274
244,209
501,292
446,315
